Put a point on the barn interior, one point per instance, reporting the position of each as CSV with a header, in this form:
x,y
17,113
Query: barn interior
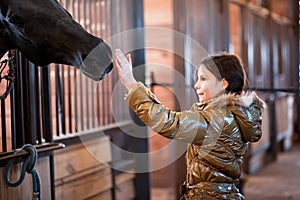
x,y
89,143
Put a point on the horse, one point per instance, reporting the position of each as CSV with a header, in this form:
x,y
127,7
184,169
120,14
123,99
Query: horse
x,y
44,32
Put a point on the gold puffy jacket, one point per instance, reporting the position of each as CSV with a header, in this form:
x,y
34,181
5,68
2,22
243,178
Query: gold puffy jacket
x,y
218,132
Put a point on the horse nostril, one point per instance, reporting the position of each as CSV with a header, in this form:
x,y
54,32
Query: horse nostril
x,y
106,71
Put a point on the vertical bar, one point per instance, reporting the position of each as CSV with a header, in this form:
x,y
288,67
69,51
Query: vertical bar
x,y
75,101
57,100
63,104
96,32
69,100
110,77
99,89
294,16
80,111
142,183
91,4
72,7
98,103
87,104
3,128
52,176
46,104
13,119
18,94
272,101
81,102
47,128
76,87
13,124
69,82
29,81
70,95
38,101
86,86
104,82
26,98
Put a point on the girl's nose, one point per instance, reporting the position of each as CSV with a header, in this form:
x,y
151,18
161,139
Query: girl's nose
x,y
197,85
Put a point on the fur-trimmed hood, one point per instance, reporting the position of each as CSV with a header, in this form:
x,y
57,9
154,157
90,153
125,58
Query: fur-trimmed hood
x,y
230,99
246,109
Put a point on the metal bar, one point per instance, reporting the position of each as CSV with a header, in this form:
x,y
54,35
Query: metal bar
x,y
63,104
294,16
46,104
72,10
57,100
19,104
95,18
52,176
87,123
26,97
104,85
38,133
142,183
3,123
272,102
98,104
109,78
75,101
87,98
102,93
79,119
29,81
91,4
81,102
13,118
40,149
69,101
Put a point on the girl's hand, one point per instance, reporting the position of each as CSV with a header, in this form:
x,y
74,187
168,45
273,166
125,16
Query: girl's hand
x,y
124,68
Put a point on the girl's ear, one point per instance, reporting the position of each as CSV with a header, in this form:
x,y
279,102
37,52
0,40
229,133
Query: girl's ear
x,y
224,83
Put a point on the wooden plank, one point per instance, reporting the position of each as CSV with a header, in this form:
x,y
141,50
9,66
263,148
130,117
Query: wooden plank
x,y
86,186
123,177
125,190
81,174
76,158
125,186
103,195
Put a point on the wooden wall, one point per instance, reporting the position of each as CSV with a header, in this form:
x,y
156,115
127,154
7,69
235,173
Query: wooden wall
x,y
24,191
82,175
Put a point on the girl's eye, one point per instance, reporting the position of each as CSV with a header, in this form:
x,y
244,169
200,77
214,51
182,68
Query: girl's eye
x,y
202,78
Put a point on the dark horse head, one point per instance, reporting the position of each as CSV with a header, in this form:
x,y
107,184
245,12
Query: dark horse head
x,y
45,33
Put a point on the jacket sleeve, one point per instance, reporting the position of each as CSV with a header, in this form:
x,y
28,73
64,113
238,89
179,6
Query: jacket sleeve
x,y
188,126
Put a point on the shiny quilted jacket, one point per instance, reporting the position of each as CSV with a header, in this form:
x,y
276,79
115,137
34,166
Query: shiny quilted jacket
x,y
218,132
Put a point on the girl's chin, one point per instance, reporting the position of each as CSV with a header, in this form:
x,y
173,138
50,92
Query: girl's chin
x,y
202,99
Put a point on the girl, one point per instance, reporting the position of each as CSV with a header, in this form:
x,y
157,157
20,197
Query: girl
x,y
218,128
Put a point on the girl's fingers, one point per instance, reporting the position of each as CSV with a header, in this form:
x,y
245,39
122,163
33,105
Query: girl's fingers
x,y
122,63
129,58
121,57
116,63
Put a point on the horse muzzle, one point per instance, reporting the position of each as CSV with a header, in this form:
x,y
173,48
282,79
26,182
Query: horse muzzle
x,y
98,63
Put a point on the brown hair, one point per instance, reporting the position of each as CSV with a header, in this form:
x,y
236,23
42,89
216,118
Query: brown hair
x,y
227,66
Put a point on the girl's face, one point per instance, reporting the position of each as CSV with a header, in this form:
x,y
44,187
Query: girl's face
x,y
208,86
